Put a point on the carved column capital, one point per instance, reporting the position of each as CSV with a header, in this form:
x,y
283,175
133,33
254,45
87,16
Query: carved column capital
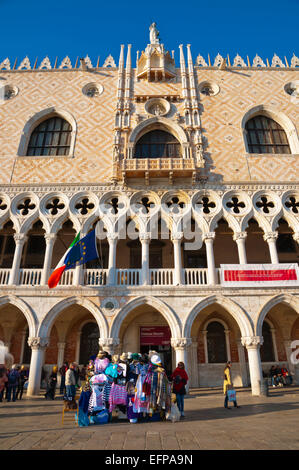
x,y
20,238
38,343
208,236
50,237
239,236
111,236
270,236
145,236
108,343
252,341
180,343
177,236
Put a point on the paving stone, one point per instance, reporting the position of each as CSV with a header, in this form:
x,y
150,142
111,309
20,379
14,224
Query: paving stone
x,y
261,423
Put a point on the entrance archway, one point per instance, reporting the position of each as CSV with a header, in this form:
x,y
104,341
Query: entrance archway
x,y
145,329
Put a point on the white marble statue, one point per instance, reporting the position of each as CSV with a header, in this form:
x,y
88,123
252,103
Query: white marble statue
x,y
154,34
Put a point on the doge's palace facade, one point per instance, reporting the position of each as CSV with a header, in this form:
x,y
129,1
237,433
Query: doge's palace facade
x,y
189,170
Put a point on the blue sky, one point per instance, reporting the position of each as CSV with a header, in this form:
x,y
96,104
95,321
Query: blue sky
x,y
97,28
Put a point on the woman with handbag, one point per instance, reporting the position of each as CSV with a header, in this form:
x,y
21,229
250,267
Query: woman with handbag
x,y
179,379
228,387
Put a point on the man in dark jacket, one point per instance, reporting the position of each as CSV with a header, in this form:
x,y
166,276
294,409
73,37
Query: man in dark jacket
x,y
12,384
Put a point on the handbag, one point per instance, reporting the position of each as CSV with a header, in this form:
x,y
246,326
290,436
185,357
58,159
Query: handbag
x,y
231,394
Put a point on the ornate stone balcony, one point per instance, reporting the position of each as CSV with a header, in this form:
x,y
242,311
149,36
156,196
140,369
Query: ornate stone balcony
x,y
158,167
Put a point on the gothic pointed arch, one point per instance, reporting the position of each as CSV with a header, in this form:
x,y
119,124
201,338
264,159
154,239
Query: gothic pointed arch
x,y
168,313
49,319
237,312
288,299
24,308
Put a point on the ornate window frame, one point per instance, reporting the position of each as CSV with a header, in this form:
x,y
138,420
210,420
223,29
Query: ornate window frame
x,y
281,118
161,123
37,119
227,339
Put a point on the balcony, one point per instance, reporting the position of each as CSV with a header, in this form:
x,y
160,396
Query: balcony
x,y
122,277
279,275
157,167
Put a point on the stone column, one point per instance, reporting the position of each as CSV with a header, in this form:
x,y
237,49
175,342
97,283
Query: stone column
x,y
209,240
288,348
178,267
243,366
227,343
24,332
180,345
274,343
270,238
20,239
109,344
145,239
60,355
112,240
77,350
253,344
205,344
194,379
50,240
60,359
38,346
240,239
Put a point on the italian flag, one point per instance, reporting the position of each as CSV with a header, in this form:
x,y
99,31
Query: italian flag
x,y
58,271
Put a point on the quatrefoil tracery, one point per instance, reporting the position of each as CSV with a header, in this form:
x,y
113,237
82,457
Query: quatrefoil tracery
x,y
292,204
55,206
235,204
26,206
84,206
175,205
265,205
206,204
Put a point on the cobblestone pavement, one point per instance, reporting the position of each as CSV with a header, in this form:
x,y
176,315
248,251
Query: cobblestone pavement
x,y
261,423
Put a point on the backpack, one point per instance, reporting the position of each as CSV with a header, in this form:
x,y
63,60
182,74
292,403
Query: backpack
x,y
13,377
177,379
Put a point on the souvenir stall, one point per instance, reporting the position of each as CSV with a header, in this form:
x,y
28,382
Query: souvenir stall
x,y
134,387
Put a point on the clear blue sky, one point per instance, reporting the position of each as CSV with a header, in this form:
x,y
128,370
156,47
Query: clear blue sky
x,y
75,28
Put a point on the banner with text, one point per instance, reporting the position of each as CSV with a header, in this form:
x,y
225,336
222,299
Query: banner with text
x,y
257,275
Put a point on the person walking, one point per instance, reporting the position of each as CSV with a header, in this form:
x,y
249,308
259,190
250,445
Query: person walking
x,y
227,385
62,372
12,384
179,378
70,382
22,379
3,380
51,386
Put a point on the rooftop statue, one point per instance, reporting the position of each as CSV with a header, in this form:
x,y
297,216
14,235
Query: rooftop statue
x,y
154,34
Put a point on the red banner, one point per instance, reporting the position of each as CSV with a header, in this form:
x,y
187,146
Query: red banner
x,y
261,275
154,335
251,275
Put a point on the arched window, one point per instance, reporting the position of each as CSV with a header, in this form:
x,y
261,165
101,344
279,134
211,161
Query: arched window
x,y
89,344
51,137
267,349
264,135
216,343
157,144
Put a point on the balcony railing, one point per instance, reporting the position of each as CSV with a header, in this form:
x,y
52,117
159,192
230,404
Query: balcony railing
x,y
123,277
30,277
118,277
